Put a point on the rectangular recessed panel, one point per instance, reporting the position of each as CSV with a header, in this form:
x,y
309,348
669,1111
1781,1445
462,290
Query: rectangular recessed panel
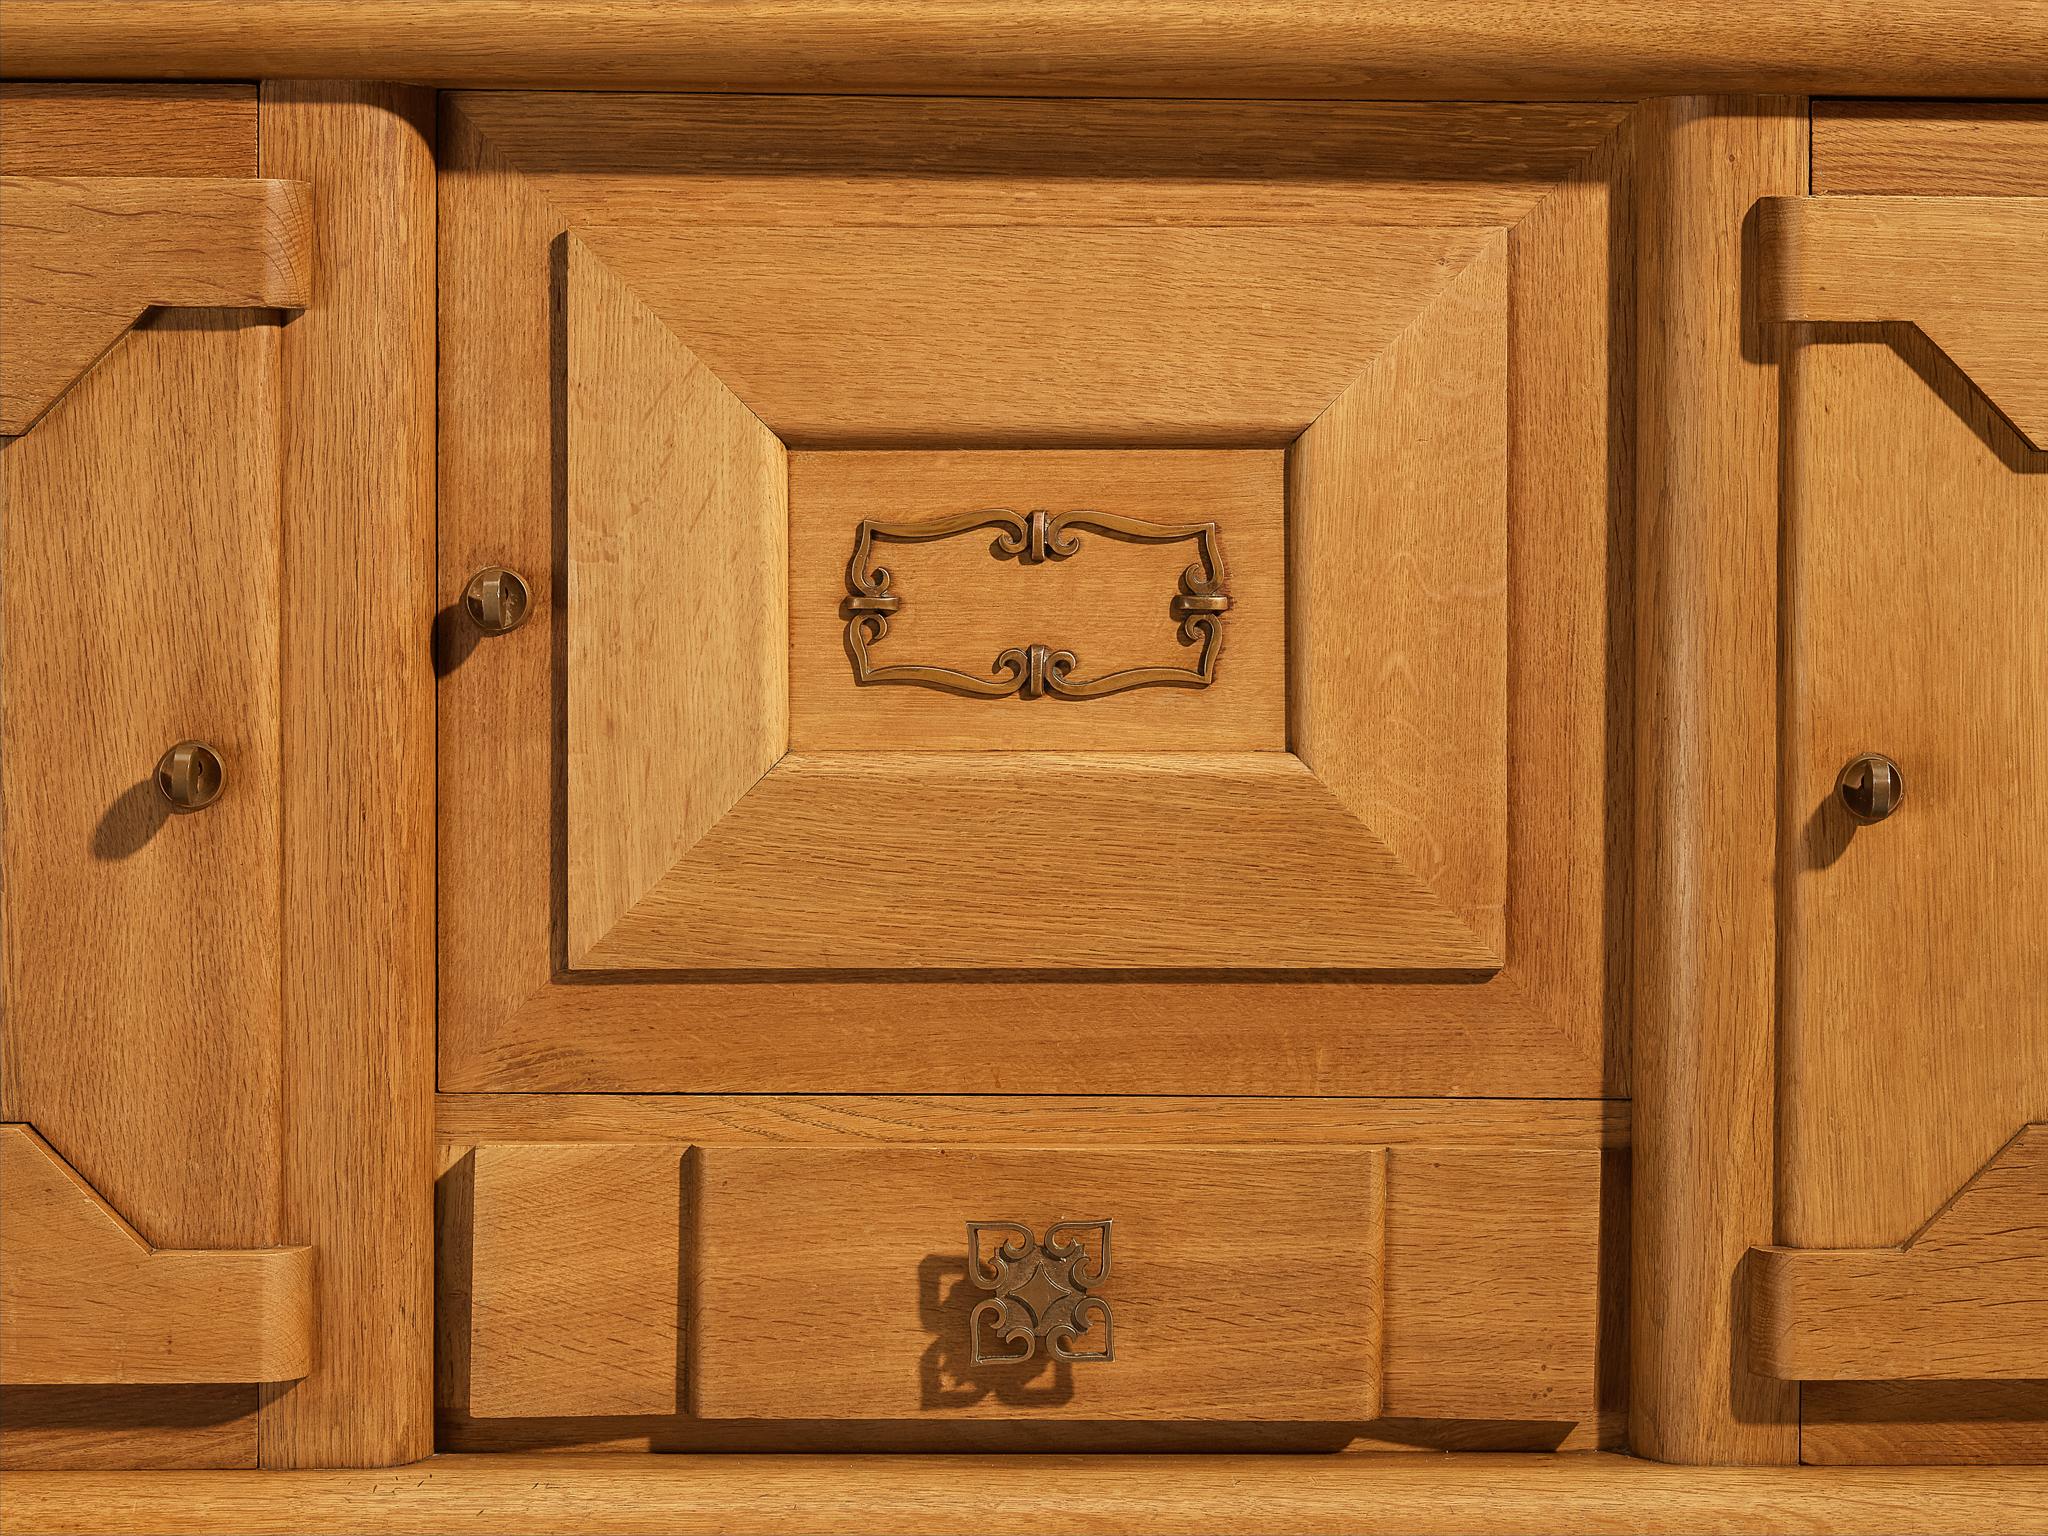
x,y
1111,602
1241,1283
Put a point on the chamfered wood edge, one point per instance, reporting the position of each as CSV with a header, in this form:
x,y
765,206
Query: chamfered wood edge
x,y
1386,48
87,1300
1965,1298
1593,1493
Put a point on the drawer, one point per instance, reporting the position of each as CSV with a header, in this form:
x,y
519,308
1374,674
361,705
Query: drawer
x,y
648,1291
1074,565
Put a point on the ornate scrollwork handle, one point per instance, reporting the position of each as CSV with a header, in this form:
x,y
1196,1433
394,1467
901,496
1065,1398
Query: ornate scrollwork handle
x,y
1037,671
1044,1291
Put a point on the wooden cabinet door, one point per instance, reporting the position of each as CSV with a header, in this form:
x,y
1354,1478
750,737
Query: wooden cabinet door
x,y
1915,981
1027,596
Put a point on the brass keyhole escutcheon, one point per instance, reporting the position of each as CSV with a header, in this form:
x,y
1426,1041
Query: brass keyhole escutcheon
x,y
1870,786
190,776
497,600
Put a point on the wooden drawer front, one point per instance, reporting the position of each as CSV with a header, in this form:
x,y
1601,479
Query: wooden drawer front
x,y
1242,1283
637,1293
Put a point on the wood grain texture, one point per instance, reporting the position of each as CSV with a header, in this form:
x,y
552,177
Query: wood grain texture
x,y
924,1496
1905,1423
1966,1298
510,1018
1108,603
93,1428
1931,148
951,160
1483,1206
575,1304
715,1119
1916,594
53,128
358,733
88,1300
1397,586
141,1032
1112,874
1706,701
1243,1283
85,255
859,335
677,605
1970,272
1063,47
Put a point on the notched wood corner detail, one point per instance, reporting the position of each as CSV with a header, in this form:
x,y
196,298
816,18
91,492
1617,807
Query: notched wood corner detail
x,y
88,1300
1966,1299
86,255
1037,670
1970,272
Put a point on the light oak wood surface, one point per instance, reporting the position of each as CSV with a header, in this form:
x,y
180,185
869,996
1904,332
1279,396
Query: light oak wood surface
x,y
1397,589
925,1496
511,1017
1931,148
1971,272
141,1033
1243,1283
1498,1276
67,128
86,255
677,601
88,1300
1916,625
575,1304
1108,603
358,735
1706,709
1063,47
1965,1298
188,1426
885,860
1926,1423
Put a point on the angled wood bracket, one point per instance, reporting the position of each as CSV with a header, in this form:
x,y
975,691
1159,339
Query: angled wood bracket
x,y
86,1299
1965,1299
86,255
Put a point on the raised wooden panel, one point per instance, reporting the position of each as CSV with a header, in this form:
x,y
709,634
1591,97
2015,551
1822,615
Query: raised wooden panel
x,y
677,599
1971,272
1242,1284
1931,148
88,1300
1917,626
889,860
1397,582
577,1273
1966,1298
141,948
656,187
1108,603
85,255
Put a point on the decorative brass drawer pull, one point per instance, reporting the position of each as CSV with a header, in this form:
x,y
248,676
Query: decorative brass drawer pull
x,y
1034,671
190,776
1043,1290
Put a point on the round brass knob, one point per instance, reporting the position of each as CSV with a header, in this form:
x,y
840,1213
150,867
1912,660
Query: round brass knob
x,y
1871,786
190,776
497,600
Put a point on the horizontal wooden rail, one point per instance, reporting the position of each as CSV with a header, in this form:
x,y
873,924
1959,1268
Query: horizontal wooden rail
x,y
83,1299
1971,272
1503,49
1966,1299
86,255
1594,1494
